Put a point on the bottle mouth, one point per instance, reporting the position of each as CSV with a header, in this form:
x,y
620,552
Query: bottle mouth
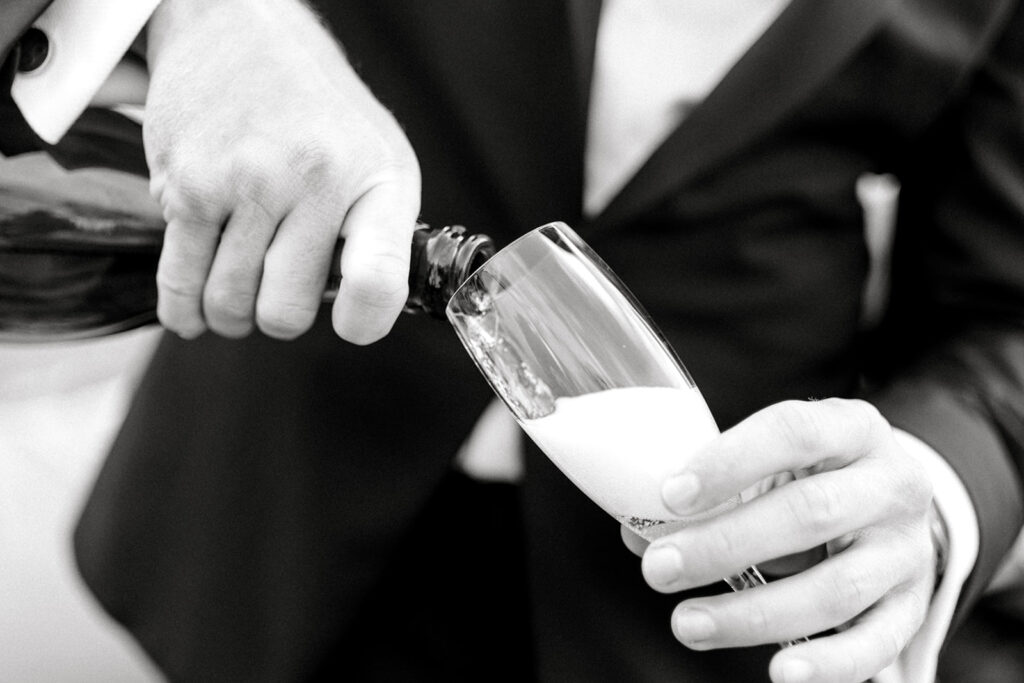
x,y
556,232
449,258
475,252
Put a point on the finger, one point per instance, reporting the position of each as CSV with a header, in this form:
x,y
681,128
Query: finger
x,y
804,514
229,298
859,652
824,596
375,261
295,271
185,261
787,436
635,543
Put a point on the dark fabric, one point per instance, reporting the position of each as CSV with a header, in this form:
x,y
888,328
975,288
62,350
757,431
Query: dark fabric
x,y
17,16
15,135
259,491
99,138
987,648
453,604
957,291
594,618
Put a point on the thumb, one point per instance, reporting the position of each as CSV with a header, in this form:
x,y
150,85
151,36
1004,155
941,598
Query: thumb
x,y
374,285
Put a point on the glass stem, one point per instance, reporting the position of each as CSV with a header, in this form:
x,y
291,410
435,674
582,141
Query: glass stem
x,y
751,578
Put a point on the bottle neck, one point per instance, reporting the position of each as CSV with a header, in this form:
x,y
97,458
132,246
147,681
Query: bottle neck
x,y
441,260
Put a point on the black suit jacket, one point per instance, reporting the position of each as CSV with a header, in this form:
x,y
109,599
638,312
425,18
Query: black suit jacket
x,y
258,488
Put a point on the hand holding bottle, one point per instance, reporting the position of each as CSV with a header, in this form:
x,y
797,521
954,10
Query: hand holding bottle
x,y
260,148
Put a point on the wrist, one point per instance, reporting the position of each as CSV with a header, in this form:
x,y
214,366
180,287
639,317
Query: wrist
x,y
291,25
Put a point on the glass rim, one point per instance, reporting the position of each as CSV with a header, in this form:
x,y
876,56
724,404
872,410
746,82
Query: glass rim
x,y
560,226
623,289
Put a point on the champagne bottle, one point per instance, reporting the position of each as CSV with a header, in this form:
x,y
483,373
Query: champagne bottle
x,y
65,277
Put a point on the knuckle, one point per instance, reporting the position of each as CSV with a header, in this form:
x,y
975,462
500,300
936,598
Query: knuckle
x,y
170,284
887,645
845,667
180,322
863,417
228,304
800,425
397,170
326,171
917,486
913,555
251,175
314,163
860,412
338,168
814,505
919,600
382,284
192,197
395,167
284,320
843,595
910,489
756,618
721,543
158,157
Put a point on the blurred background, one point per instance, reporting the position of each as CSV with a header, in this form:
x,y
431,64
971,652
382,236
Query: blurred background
x,y
60,405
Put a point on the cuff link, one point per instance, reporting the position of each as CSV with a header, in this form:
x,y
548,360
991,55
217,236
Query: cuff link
x,y
33,50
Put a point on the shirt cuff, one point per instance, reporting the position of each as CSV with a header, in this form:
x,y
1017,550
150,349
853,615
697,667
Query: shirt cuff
x,y
918,662
86,41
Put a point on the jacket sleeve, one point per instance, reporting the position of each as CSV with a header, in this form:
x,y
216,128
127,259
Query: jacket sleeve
x,y
950,355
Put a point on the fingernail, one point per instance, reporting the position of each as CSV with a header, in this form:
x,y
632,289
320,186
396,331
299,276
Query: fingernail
x,y
694,625
680,491
662,565
796,671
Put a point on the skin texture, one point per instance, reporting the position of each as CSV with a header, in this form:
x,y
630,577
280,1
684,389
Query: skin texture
x,y
857,494
260,152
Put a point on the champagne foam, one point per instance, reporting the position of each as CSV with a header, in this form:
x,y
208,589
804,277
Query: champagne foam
x,y
619,445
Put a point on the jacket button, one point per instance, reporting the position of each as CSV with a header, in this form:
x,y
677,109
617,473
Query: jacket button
x,y
34,48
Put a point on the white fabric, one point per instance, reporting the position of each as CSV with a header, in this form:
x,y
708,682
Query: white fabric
x,y
493,450
87,39
918,662
60,408
655,59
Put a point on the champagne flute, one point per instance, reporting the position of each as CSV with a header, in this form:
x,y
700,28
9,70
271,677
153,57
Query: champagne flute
x,y
587,375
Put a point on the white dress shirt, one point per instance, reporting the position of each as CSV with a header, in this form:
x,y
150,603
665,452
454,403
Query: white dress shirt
x,y
87,41
655,59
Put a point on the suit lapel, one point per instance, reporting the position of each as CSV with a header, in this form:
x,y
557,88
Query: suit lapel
x,y
584,16
526,125
806,44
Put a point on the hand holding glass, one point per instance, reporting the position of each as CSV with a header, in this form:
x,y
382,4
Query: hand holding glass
x,y
587,375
